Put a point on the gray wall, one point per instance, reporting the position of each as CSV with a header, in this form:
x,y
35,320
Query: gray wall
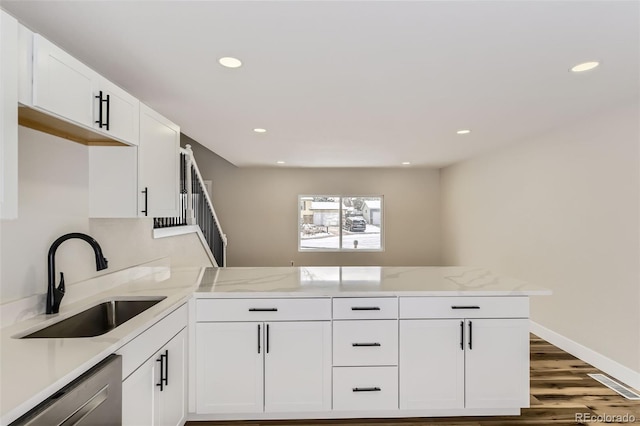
x,y
560,211
257,208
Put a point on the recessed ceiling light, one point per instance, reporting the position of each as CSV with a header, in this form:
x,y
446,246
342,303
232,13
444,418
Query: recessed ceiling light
x,y
279,162
230,62
259,130
406,163
463,132
585,66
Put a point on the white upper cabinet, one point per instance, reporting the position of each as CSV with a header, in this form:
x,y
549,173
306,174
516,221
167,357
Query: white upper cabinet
x,y
8,116
113,181
158,165
70,90
116,112
129,181
62,85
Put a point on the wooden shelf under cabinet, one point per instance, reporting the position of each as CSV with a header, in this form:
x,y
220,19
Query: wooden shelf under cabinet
x,y
52,125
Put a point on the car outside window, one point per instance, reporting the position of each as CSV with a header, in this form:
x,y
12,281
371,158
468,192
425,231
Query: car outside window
x,y
340,223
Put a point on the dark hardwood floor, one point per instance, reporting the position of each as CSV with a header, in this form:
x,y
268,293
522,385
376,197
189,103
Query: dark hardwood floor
x,y
560,388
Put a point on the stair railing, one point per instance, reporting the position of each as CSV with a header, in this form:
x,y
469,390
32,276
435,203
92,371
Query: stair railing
x,y
196,208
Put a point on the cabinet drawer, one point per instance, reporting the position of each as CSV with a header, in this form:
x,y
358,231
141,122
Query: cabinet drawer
x,y
263,309
369,342
365,308
464,307
365,388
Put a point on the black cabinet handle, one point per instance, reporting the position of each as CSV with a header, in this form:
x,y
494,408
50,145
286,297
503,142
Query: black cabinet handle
x,y
166,367
258,338
462,335
470,335
267,338
99,121
146,199
376,389
465,307
263,309
365,308
108,102
161,360
357,345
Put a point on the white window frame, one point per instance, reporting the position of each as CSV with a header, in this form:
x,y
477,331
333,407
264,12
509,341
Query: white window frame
x,y
340,217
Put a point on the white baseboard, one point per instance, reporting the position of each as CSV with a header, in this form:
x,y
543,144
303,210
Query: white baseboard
x,y
613,368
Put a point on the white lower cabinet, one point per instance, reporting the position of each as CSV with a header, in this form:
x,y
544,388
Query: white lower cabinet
x,y
365,388
138,392
268,358
251,367
432,364
154,372
230,367
464,363
155,393
497,363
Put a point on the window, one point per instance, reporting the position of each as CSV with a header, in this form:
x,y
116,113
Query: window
x,y
339,223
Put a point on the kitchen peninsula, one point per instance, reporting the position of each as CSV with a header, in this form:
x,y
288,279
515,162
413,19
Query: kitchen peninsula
x,y
335,342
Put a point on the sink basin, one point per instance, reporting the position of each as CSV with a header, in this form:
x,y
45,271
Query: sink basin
x,y
96,320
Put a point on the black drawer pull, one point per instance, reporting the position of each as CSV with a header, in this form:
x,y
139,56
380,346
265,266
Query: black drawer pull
x,y
376,389
465,307
357,345
263,309
365,308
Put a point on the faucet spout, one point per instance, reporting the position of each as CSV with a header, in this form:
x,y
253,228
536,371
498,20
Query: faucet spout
x,y
55,295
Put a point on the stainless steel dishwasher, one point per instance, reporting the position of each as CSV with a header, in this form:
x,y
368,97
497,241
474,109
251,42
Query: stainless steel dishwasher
x,y
93,399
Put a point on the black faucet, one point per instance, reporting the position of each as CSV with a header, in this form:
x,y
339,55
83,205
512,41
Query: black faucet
x,y
55,295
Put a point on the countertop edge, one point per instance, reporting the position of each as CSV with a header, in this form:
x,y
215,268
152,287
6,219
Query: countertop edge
x,y
21,409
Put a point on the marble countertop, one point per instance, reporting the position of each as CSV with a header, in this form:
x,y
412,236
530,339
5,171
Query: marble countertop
x,y
33,369
366,281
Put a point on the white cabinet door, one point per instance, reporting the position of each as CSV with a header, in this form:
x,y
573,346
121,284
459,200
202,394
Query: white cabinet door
x,y
113,181
297,366
431,364
158,165
497,363
230,367
62,85
171,407
138,395
8,116
118,115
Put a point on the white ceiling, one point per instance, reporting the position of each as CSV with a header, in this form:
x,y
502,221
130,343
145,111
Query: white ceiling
x,y
355,83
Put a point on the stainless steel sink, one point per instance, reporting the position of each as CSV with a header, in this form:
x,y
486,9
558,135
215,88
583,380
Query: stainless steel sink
x,y
96,320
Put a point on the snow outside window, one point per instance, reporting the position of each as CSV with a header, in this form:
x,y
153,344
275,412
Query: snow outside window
x,y
340,223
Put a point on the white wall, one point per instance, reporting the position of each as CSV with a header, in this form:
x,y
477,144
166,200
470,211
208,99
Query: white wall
x,y
561,211
53,200
127,242
258,210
